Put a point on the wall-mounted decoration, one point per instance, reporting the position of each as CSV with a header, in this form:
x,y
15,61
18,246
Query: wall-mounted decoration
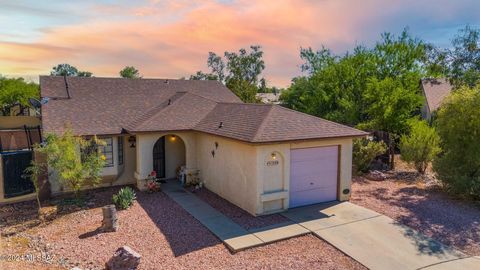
x,y
132,141
213,153
216,145
346,191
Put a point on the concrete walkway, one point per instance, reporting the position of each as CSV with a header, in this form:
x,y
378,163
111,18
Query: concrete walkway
x,y
376,241
234,236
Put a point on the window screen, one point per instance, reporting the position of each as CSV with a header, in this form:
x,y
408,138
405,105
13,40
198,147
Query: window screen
x,y
107,151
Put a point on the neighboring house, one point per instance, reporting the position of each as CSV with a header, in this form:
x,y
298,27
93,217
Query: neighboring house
x,y
269,98
434,91
263,158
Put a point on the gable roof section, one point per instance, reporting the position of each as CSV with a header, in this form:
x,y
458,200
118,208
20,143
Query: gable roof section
x,y
108,106
183,113
435,91
261,123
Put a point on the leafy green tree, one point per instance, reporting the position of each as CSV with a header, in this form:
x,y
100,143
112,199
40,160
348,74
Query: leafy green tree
x,y
420,146
84,74
335,90
204,76
69,70
130,72
364,151
465,57
240,71
390,106
372,88
16,91
244,90
458,125
76,160
34,172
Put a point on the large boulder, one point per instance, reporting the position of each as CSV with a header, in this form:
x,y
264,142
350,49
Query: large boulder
x,y
124,258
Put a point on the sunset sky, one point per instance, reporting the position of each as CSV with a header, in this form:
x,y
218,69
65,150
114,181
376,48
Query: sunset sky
x,y
171,39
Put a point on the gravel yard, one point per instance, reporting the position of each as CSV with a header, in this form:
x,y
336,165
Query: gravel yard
x,y
238,215
162,232
424,208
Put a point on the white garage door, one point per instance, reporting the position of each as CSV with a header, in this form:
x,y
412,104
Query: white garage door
x,y
313,175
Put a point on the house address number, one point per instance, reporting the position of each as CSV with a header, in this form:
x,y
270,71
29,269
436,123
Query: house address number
x,y
272,163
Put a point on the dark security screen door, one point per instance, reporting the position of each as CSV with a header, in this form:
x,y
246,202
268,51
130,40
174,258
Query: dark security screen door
x,y
159,157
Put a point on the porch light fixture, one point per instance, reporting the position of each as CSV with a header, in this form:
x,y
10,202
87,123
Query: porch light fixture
x,y
173,138
132,141
274,156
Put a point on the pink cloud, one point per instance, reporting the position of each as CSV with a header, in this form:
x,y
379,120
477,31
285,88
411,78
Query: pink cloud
x,y
173,38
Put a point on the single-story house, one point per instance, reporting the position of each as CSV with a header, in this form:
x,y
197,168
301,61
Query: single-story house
x,y
261,157
434,92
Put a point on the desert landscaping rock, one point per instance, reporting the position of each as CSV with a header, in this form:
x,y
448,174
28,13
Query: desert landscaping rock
x,y
110,219
124,258
376,176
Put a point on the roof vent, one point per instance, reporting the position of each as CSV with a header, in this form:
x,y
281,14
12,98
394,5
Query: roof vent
x,y
169,101
221,125
166,81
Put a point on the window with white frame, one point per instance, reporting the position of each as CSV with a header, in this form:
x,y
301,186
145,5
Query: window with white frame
x,y
120,150
107,151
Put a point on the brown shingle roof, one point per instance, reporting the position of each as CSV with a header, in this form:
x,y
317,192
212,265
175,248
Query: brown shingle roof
x,y
106,105
270,123
435,90
109,105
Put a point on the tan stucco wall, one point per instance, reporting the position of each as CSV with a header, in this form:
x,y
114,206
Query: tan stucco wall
x,y
176,154
127,171
274,181
231,173
18,121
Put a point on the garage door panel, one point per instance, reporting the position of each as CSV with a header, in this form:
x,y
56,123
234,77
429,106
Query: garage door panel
x,y
313,175
307,197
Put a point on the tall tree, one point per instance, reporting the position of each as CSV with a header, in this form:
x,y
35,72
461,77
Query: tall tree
x,y
240,72
204,76
69,70
130,72
16,91
372,88
465,57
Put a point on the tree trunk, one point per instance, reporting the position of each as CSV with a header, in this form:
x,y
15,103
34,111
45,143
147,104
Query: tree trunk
x,y
391,150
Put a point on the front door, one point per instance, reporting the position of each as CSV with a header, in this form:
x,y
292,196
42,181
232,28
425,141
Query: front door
x,y
159,157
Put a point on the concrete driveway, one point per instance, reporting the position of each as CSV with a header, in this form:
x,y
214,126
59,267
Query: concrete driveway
x,y
377,241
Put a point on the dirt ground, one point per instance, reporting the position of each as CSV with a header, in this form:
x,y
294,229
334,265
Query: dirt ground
x,y
164,234
418,203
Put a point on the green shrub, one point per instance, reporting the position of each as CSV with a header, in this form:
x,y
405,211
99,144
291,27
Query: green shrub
x,y
364,151
124,198
421,146
458,125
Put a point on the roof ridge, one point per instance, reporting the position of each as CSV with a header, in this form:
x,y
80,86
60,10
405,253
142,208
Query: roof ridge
x,y
121,78
153,111
262,124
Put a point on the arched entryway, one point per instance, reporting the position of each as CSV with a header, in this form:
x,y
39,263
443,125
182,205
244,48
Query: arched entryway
x,y
168,156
